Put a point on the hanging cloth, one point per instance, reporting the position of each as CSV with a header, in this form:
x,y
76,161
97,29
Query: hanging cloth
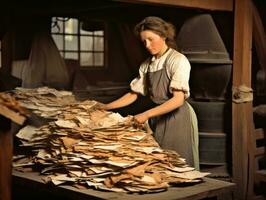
x,y
45,66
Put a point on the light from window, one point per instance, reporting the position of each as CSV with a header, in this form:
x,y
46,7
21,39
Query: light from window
x,y
83,41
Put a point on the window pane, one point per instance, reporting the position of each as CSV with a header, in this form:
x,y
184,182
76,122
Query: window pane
x,y
86,43
98,33
71,26
71,55
86,59
98,59
58,41
71,42
84,32
98,44
57,26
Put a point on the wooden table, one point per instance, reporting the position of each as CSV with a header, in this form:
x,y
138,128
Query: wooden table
x,y
31,181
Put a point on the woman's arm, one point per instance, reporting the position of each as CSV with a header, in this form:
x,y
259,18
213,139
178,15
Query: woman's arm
x,y
176,101
123,101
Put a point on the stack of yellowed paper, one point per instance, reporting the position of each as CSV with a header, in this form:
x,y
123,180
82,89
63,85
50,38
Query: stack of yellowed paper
x,y
104,150
44,102
11,109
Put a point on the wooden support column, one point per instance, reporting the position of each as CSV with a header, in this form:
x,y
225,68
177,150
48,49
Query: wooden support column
x,y
6,152
242,114
7,116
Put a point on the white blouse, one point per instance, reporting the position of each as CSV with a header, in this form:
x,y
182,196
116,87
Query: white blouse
x,y
177,67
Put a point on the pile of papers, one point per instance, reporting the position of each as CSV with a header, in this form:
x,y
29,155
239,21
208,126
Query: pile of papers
x,y
11,109
11,103
101,149
44,102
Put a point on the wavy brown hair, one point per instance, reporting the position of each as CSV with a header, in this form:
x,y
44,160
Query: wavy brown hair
x,y
160,27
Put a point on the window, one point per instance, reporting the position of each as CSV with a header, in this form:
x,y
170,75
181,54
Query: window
x,y
80,40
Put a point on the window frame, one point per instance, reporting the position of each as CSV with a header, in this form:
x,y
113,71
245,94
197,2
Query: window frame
x,y
78,34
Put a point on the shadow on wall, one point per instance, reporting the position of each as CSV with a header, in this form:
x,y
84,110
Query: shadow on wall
x,y
8,82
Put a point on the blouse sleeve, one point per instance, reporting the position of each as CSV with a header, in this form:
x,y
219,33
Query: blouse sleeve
x,y
180,72
138,84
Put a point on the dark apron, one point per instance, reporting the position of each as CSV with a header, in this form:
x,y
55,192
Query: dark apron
x,y
172,130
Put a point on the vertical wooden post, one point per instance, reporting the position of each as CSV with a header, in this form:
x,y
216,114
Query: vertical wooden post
x,y
242,114
7,46
6,144
6,152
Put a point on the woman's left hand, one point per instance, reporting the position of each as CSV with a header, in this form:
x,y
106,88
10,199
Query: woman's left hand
x,y
141,118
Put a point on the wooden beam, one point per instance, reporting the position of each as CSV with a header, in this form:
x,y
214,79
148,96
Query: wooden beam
x,y
242,113
224,5
259,133
10,114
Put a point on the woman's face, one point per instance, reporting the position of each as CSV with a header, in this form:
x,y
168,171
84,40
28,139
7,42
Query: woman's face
x,y
154,43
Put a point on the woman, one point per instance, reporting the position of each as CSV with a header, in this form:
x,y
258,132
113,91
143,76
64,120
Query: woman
x,y
164,77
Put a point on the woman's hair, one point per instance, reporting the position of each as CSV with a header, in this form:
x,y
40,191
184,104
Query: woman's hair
x,y
158,26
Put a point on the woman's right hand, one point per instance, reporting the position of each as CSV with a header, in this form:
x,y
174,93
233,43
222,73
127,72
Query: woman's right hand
x,y
141,118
